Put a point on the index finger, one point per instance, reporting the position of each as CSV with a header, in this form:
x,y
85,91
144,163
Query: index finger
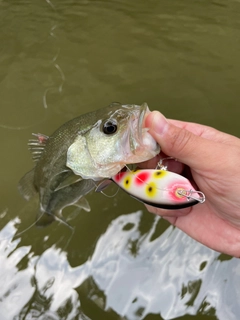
x,y
204,131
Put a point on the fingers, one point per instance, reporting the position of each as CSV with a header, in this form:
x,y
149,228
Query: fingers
x,y
195,151
206,132
209,229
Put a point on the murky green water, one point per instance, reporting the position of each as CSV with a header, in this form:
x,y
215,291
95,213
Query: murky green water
x,y
62,58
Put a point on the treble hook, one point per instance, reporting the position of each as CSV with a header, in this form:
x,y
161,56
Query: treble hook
x,y
161,166
189,195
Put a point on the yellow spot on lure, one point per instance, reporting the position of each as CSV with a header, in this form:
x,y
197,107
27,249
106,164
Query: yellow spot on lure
x,y
159,188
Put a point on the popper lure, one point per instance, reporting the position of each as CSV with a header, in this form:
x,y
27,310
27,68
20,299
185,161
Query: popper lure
x,y
159,188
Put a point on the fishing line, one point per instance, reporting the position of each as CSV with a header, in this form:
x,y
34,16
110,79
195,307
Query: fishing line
x,y
26,229
24,127
70,238
104,186
36,221
103,183
160,166
110,196
144,182
51,4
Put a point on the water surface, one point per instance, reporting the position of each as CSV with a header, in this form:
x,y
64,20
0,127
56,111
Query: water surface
x,y
59,59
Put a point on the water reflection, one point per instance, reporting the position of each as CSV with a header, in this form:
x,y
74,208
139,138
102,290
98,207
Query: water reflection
x,y
15,283
130,273
60,59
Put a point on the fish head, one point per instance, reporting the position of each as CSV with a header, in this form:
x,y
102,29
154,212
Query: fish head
x,y
117,138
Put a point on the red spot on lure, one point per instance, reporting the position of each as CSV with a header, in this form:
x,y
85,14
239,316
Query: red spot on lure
x,y
142,177
159,188
118,177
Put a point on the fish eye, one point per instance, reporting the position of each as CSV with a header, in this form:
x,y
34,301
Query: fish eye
x,y
110,127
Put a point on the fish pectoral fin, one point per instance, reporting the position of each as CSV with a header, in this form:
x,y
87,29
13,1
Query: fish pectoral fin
x,y
26,186
71,179
70,195
82,203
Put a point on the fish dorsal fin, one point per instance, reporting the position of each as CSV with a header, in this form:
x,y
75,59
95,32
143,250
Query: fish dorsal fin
x,y
36,146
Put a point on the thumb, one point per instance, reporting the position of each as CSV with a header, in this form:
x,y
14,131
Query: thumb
x,y
195,151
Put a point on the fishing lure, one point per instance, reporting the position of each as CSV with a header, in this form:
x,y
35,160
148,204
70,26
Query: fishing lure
x,y
159,188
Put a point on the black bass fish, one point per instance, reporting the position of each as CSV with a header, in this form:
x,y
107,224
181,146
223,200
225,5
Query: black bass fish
x,y
89,148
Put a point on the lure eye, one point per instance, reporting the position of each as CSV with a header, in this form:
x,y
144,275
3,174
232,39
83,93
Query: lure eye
x,y
110,127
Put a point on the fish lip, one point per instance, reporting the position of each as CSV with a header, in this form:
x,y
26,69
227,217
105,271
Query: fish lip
x,y
142,113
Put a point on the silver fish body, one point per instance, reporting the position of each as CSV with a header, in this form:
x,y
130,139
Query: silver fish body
x,y
86,149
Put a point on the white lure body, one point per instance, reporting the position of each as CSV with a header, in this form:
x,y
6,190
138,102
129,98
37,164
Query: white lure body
x,y
159,188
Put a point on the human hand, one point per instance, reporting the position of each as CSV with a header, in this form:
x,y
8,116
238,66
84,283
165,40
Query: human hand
x,y
212,159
